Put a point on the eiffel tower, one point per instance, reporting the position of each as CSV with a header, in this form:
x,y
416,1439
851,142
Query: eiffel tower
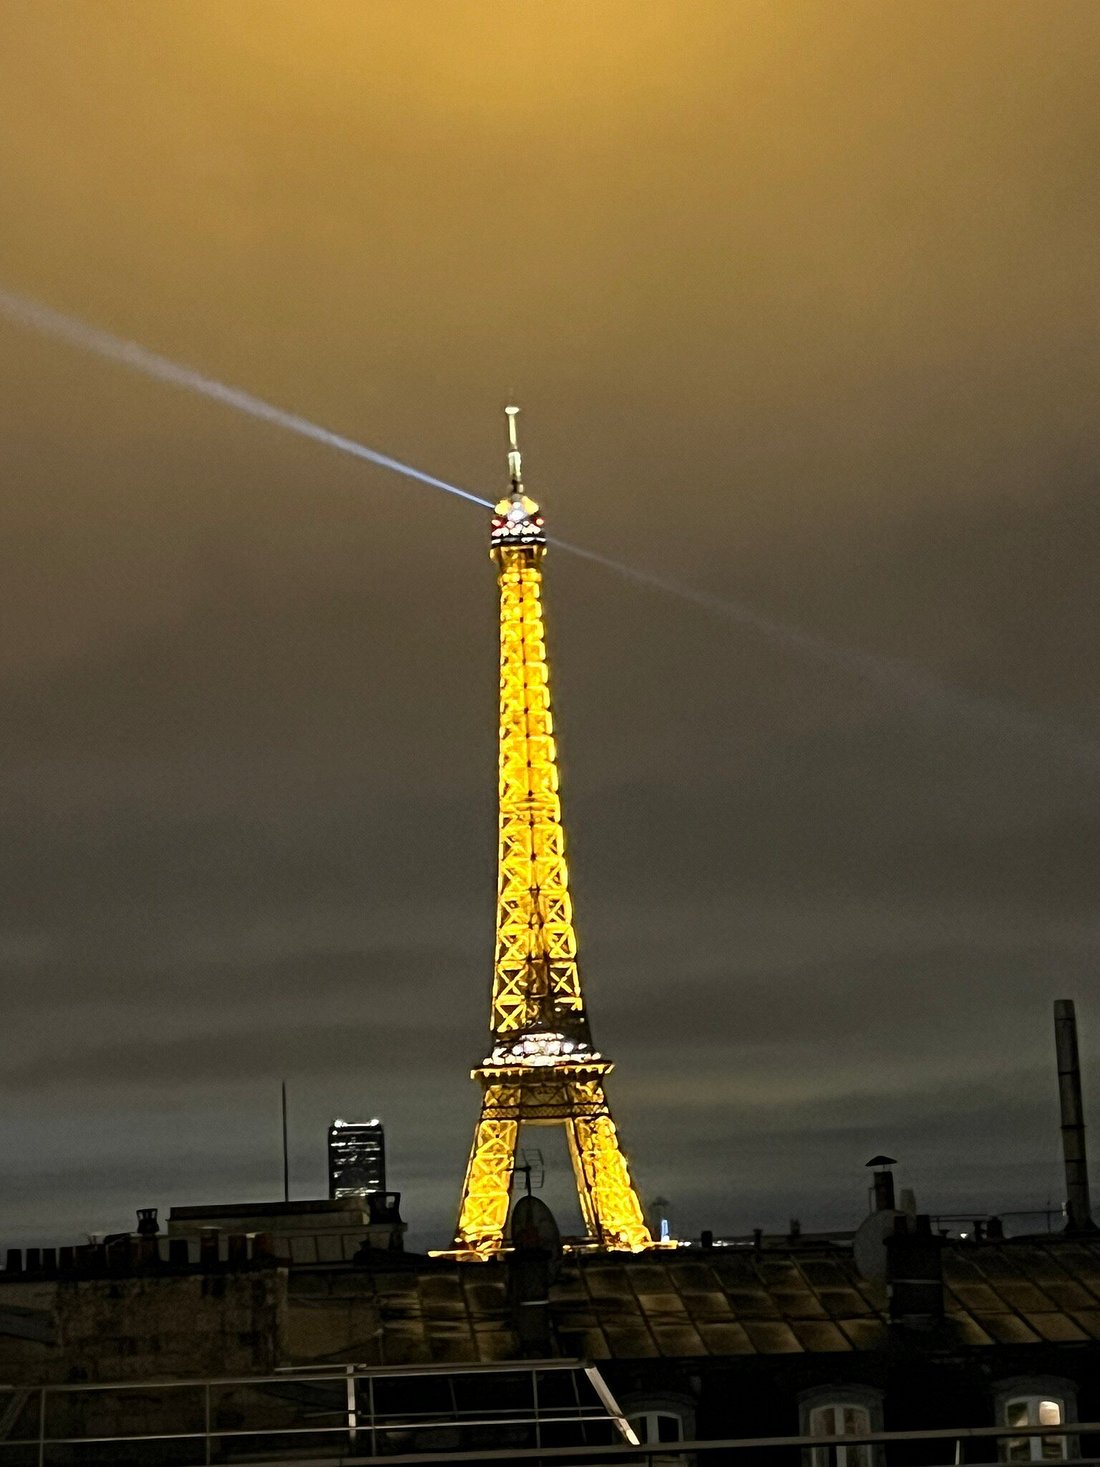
x,y
542,1068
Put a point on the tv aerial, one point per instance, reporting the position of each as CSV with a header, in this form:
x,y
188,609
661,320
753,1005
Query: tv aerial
x,y
532,1168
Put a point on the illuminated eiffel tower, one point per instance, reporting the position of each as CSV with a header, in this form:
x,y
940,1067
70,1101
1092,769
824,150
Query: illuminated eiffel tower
x,y
542,1068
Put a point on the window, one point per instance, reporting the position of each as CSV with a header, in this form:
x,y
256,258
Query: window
x,y
840,1420
1034,1411
659,1419
657,1426
841,1410
1032,1401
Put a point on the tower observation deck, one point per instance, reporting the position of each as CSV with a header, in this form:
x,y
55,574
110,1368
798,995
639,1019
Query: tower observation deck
x,y
542,1068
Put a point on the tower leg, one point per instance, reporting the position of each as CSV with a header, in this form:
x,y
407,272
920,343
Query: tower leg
x,y
586,1182
483,1211
603,1174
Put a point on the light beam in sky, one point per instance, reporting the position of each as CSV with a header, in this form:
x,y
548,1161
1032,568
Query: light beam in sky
x,y
26,312
896,678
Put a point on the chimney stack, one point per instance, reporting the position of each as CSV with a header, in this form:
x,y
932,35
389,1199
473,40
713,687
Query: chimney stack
x,y
883,1183
1078,1205
533,1262
914,1273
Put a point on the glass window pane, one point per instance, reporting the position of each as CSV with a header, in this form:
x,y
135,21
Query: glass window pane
x,y
856,1421
668,1428
1016,1413
1050,1413
1017,1449
822,1423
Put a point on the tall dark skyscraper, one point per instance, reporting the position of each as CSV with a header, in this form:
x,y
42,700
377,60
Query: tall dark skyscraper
x,y
356,1158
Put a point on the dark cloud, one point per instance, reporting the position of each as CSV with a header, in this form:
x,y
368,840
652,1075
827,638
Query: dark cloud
x,y
796,300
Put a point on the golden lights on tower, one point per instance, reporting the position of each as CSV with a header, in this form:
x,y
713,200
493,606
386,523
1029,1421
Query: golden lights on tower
x,y
542,1068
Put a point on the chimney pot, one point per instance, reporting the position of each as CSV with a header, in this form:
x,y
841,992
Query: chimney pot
x,y
883,1183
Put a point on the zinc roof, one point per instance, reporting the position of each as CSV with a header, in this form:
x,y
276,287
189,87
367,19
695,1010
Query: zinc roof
x,y
726,1302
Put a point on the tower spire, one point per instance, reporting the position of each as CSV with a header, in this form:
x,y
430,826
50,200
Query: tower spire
x,y
542,1067
515,463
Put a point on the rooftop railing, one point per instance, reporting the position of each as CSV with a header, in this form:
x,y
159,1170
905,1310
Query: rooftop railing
x,y
557,1411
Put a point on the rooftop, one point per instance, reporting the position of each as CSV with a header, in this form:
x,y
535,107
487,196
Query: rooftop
x,y
727,1302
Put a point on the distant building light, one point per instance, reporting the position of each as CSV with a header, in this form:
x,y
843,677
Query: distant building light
x,y
356,1158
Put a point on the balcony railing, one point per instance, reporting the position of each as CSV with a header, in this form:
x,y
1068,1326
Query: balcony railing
x,y
557,1411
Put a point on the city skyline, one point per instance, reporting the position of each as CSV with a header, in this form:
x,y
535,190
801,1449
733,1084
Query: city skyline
x,y
796,301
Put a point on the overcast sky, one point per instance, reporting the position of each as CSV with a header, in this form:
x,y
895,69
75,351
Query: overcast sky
x,y
800,303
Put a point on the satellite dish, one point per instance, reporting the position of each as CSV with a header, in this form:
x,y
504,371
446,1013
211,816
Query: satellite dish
x,y
534,1228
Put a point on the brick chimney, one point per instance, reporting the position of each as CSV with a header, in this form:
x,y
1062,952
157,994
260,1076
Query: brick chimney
x,y
914,1273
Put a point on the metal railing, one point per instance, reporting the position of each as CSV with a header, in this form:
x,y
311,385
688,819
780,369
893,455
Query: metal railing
x,y
344,1417
327,1412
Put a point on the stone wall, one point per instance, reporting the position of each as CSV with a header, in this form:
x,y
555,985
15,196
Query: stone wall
x,y
142,1327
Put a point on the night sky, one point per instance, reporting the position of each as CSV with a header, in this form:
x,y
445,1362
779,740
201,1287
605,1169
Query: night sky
x,y
800,302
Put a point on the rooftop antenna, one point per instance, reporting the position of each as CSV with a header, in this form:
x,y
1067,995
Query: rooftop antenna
x,y
532,1169
515,466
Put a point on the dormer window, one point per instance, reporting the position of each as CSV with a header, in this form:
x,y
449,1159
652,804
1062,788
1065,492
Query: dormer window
x,y
657,1426
840,1421
662,1420
1026,1403
1034,1411
842,1410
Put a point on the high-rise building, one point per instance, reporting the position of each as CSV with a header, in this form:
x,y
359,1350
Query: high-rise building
x,y
356,1158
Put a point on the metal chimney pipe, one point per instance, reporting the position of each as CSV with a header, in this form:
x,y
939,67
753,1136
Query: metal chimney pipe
x,y
884,1190
1078,1205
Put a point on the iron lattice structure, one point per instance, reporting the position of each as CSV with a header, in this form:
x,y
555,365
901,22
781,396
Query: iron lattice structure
x,y
542,1068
